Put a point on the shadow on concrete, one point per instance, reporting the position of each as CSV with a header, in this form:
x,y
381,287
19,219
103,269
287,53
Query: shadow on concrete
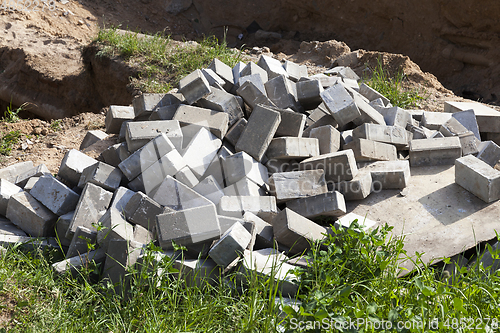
x,y
429,170
451,203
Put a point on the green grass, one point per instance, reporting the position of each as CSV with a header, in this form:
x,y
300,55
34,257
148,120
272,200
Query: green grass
x,y
8,140
352,278
56,125
392,87
161,62
11,114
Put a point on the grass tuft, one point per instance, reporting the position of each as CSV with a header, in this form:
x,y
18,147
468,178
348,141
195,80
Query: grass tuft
x,y
8,140
162,62
392,87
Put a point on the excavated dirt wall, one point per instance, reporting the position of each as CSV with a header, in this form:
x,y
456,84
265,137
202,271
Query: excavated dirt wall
x,y
458,41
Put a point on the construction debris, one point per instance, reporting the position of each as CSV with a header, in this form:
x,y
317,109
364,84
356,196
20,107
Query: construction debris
x,y
237,177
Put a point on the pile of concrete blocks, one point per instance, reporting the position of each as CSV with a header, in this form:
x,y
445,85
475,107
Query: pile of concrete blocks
x,y
236,166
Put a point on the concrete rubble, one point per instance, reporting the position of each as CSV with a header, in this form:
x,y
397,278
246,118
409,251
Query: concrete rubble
x,y
239,166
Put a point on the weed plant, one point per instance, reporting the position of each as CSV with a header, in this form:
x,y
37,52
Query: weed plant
x,y
392,87
161,61
8,140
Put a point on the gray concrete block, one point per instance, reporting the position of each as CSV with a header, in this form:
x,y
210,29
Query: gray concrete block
x,y
103,175
142,210
54,195
326,120
29,243
256,79
495,137
92,137
147,103
344,72
93,203
395,135
327,204
198,272
252,69
241,165
222,101
357,188
10,229
168,165
325,80
215,121
270,263
292,123
258,133
488,119
72,166
296,231
435,151
75,263
114,227
201,151
237,69
340,104
368,150
123,130
271,66
30,215
141,132
489,152
230,246
297,184
215,169
11,172
30,183
328,138
274,166
115,117
224,71
252,95
37,171
234,133
345,138
110,155
295,71
338,166
280,91
468,119
478,177
194,86
308,93
164,113
120,256
371,94
187,177
187,226
469,143
263,207
389,174
436,135
292,147
396,117
143,235
82,241
452,127
213,79
143,158
6,190
264,235
368,113
347,220
434,120
244,187
210,189
62,226
417,132
177,196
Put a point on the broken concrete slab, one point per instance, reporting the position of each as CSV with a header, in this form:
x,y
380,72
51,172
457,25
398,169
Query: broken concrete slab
x,y
30,215
54,195
478,177
328,204
435,151
298,184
